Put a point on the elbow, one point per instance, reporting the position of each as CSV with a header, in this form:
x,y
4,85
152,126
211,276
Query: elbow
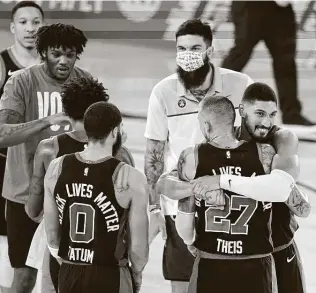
x,y
306,211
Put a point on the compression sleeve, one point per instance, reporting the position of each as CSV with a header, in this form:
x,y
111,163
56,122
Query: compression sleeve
x,y
185,223
274,187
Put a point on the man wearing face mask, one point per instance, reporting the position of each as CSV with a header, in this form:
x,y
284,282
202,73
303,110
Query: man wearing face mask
x,y
172,125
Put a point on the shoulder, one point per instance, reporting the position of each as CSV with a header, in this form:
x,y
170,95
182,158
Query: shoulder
x,y
22,76
234,75
54,168
125,156
79,72
285,141
187,163
166,85
285,136
46,146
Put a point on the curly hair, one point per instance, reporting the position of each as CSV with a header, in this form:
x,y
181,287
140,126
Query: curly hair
x,y
60,35
80,93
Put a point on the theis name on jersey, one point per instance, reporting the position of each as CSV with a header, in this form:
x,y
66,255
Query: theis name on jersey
x,y
216,218
101,201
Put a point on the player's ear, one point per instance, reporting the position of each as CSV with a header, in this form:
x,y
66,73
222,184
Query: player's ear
x,y
114,132
207,127
12,27
209,52
241,110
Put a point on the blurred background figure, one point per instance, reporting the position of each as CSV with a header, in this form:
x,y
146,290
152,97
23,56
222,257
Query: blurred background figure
x,y
274,23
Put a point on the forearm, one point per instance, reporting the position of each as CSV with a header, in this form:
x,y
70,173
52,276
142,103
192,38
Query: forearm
x,y
298,203
34,207
14,134
139,248
154,167
185,220
171,186
274,187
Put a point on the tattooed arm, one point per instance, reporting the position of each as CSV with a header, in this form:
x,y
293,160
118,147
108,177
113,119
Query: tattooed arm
x,y
173,184
154,166
44,154
286,159
13,131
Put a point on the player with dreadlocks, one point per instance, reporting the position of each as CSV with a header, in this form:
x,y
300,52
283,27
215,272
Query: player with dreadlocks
x,y
30,111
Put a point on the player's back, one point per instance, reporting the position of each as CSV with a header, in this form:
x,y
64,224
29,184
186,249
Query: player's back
x,y
243,227
92,221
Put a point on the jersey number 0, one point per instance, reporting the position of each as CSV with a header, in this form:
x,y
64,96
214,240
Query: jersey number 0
x,y
82,218
216,219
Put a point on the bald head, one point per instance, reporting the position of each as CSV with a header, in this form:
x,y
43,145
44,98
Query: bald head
x,y
218,110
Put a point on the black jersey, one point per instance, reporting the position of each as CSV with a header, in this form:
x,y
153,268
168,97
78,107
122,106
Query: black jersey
x,y
92,221
7,66
284,224
68,145
243,227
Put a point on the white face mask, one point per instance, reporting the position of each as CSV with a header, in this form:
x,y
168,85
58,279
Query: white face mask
x,y
189,60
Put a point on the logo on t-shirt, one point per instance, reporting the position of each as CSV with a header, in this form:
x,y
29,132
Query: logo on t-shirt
x,y
50,104
182,103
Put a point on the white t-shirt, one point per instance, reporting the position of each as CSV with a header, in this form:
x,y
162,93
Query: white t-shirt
x,y
172,115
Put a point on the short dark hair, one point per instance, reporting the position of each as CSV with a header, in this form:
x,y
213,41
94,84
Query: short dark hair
x,y
259,91
60,35
100,119
222,107
22,4
196,27
79,93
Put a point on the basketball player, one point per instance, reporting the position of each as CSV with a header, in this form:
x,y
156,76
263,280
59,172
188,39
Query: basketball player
x,y
86,218
234,234
30,111
77,95
258,110
26,18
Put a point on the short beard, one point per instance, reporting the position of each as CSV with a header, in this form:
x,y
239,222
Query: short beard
x,y
117,145
258,139
196,78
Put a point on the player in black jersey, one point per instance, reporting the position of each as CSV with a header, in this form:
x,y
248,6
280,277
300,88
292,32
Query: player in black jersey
x,y
26,17
77,95
258,109
86,217
233,232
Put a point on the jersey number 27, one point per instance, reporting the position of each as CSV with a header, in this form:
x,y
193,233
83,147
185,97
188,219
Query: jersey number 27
x,y
216,219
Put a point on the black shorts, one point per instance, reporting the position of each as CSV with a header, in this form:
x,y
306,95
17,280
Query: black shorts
x,y
232,276
289,272
94,279
20,230
54,268
177,260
